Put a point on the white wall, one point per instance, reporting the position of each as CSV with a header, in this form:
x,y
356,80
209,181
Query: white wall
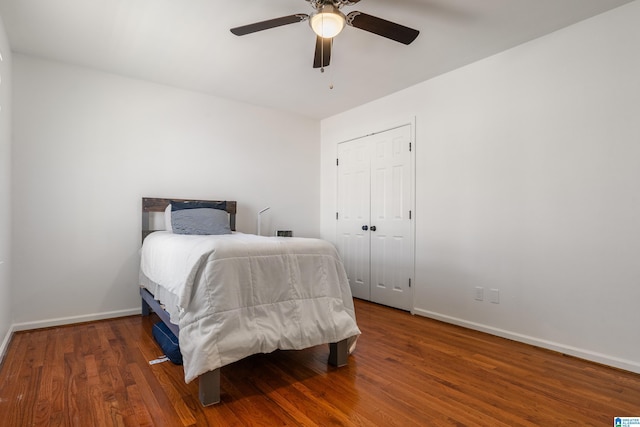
x,y
5,190
528,166
89,145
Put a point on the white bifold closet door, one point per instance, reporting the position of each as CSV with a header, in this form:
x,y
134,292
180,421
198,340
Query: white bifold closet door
x,y
374,230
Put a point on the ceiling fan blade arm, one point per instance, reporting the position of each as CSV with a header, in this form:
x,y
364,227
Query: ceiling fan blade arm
x,y
322,55
382,27
268,24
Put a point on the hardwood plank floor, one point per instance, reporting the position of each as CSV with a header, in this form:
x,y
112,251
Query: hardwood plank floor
x,y
407,370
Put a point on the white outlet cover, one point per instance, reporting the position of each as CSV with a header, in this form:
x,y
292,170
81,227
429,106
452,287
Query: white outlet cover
x,y
495,296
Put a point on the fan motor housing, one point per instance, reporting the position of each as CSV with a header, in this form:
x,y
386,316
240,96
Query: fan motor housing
x,y
318,4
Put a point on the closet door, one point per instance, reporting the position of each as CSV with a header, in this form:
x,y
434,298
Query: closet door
x,y
390,229
373,220
353,238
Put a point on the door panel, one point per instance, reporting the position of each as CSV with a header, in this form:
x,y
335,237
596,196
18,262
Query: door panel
x,y
353,202
391,243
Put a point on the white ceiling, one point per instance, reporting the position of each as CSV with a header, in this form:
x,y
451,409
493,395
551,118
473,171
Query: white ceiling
x,y
187,43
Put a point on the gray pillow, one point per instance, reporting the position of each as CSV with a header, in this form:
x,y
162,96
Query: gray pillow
x,y
200,221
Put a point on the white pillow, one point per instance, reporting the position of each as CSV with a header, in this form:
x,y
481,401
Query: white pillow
x,y
167,218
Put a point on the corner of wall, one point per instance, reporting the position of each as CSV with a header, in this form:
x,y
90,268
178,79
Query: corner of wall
x,y
6,315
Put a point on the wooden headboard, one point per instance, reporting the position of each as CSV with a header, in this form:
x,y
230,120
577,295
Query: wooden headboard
x,y
150,204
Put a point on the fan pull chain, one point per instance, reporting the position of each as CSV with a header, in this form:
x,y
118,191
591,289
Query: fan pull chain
x,y
330,78
322,63
330,82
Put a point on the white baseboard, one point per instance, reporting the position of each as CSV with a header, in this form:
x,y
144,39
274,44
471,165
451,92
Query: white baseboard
x,y
5,343
47,323
604,359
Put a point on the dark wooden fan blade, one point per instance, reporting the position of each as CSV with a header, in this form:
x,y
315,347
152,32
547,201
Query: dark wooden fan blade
x,y
270,23
323,52
382,27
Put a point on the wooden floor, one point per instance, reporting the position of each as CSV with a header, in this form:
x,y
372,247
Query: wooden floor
x,y
407,370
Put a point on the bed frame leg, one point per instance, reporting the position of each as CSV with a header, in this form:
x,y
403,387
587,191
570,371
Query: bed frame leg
x,y
209,384
338,353
146,309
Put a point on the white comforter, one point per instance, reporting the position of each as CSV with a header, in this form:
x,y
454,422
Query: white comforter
x,y
242,294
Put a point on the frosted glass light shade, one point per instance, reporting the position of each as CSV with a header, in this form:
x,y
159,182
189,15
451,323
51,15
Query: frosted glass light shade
x,y
327,22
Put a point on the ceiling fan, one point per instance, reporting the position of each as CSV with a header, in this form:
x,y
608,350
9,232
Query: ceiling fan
x,y
327,21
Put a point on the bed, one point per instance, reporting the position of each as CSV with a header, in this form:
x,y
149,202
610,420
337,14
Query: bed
x,y
230,295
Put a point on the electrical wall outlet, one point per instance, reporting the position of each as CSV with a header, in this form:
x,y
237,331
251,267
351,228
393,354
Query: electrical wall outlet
x,y
494,296
479,293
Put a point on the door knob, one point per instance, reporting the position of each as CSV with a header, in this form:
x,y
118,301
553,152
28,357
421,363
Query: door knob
x,y
365,228
373,228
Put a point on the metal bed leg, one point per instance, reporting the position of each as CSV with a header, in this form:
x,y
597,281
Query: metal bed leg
x,y
338,353
209,384
146,309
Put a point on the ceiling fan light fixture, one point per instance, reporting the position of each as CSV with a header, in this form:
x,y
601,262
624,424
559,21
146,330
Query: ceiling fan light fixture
x,y
327,22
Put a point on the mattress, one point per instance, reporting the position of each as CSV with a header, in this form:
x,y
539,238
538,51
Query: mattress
x,y
240,294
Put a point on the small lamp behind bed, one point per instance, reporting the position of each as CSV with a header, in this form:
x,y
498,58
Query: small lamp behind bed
x,y
260,219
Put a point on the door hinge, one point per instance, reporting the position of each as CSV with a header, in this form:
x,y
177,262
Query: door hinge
x,y
409,146
337,162
409,214
409,282
336,215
